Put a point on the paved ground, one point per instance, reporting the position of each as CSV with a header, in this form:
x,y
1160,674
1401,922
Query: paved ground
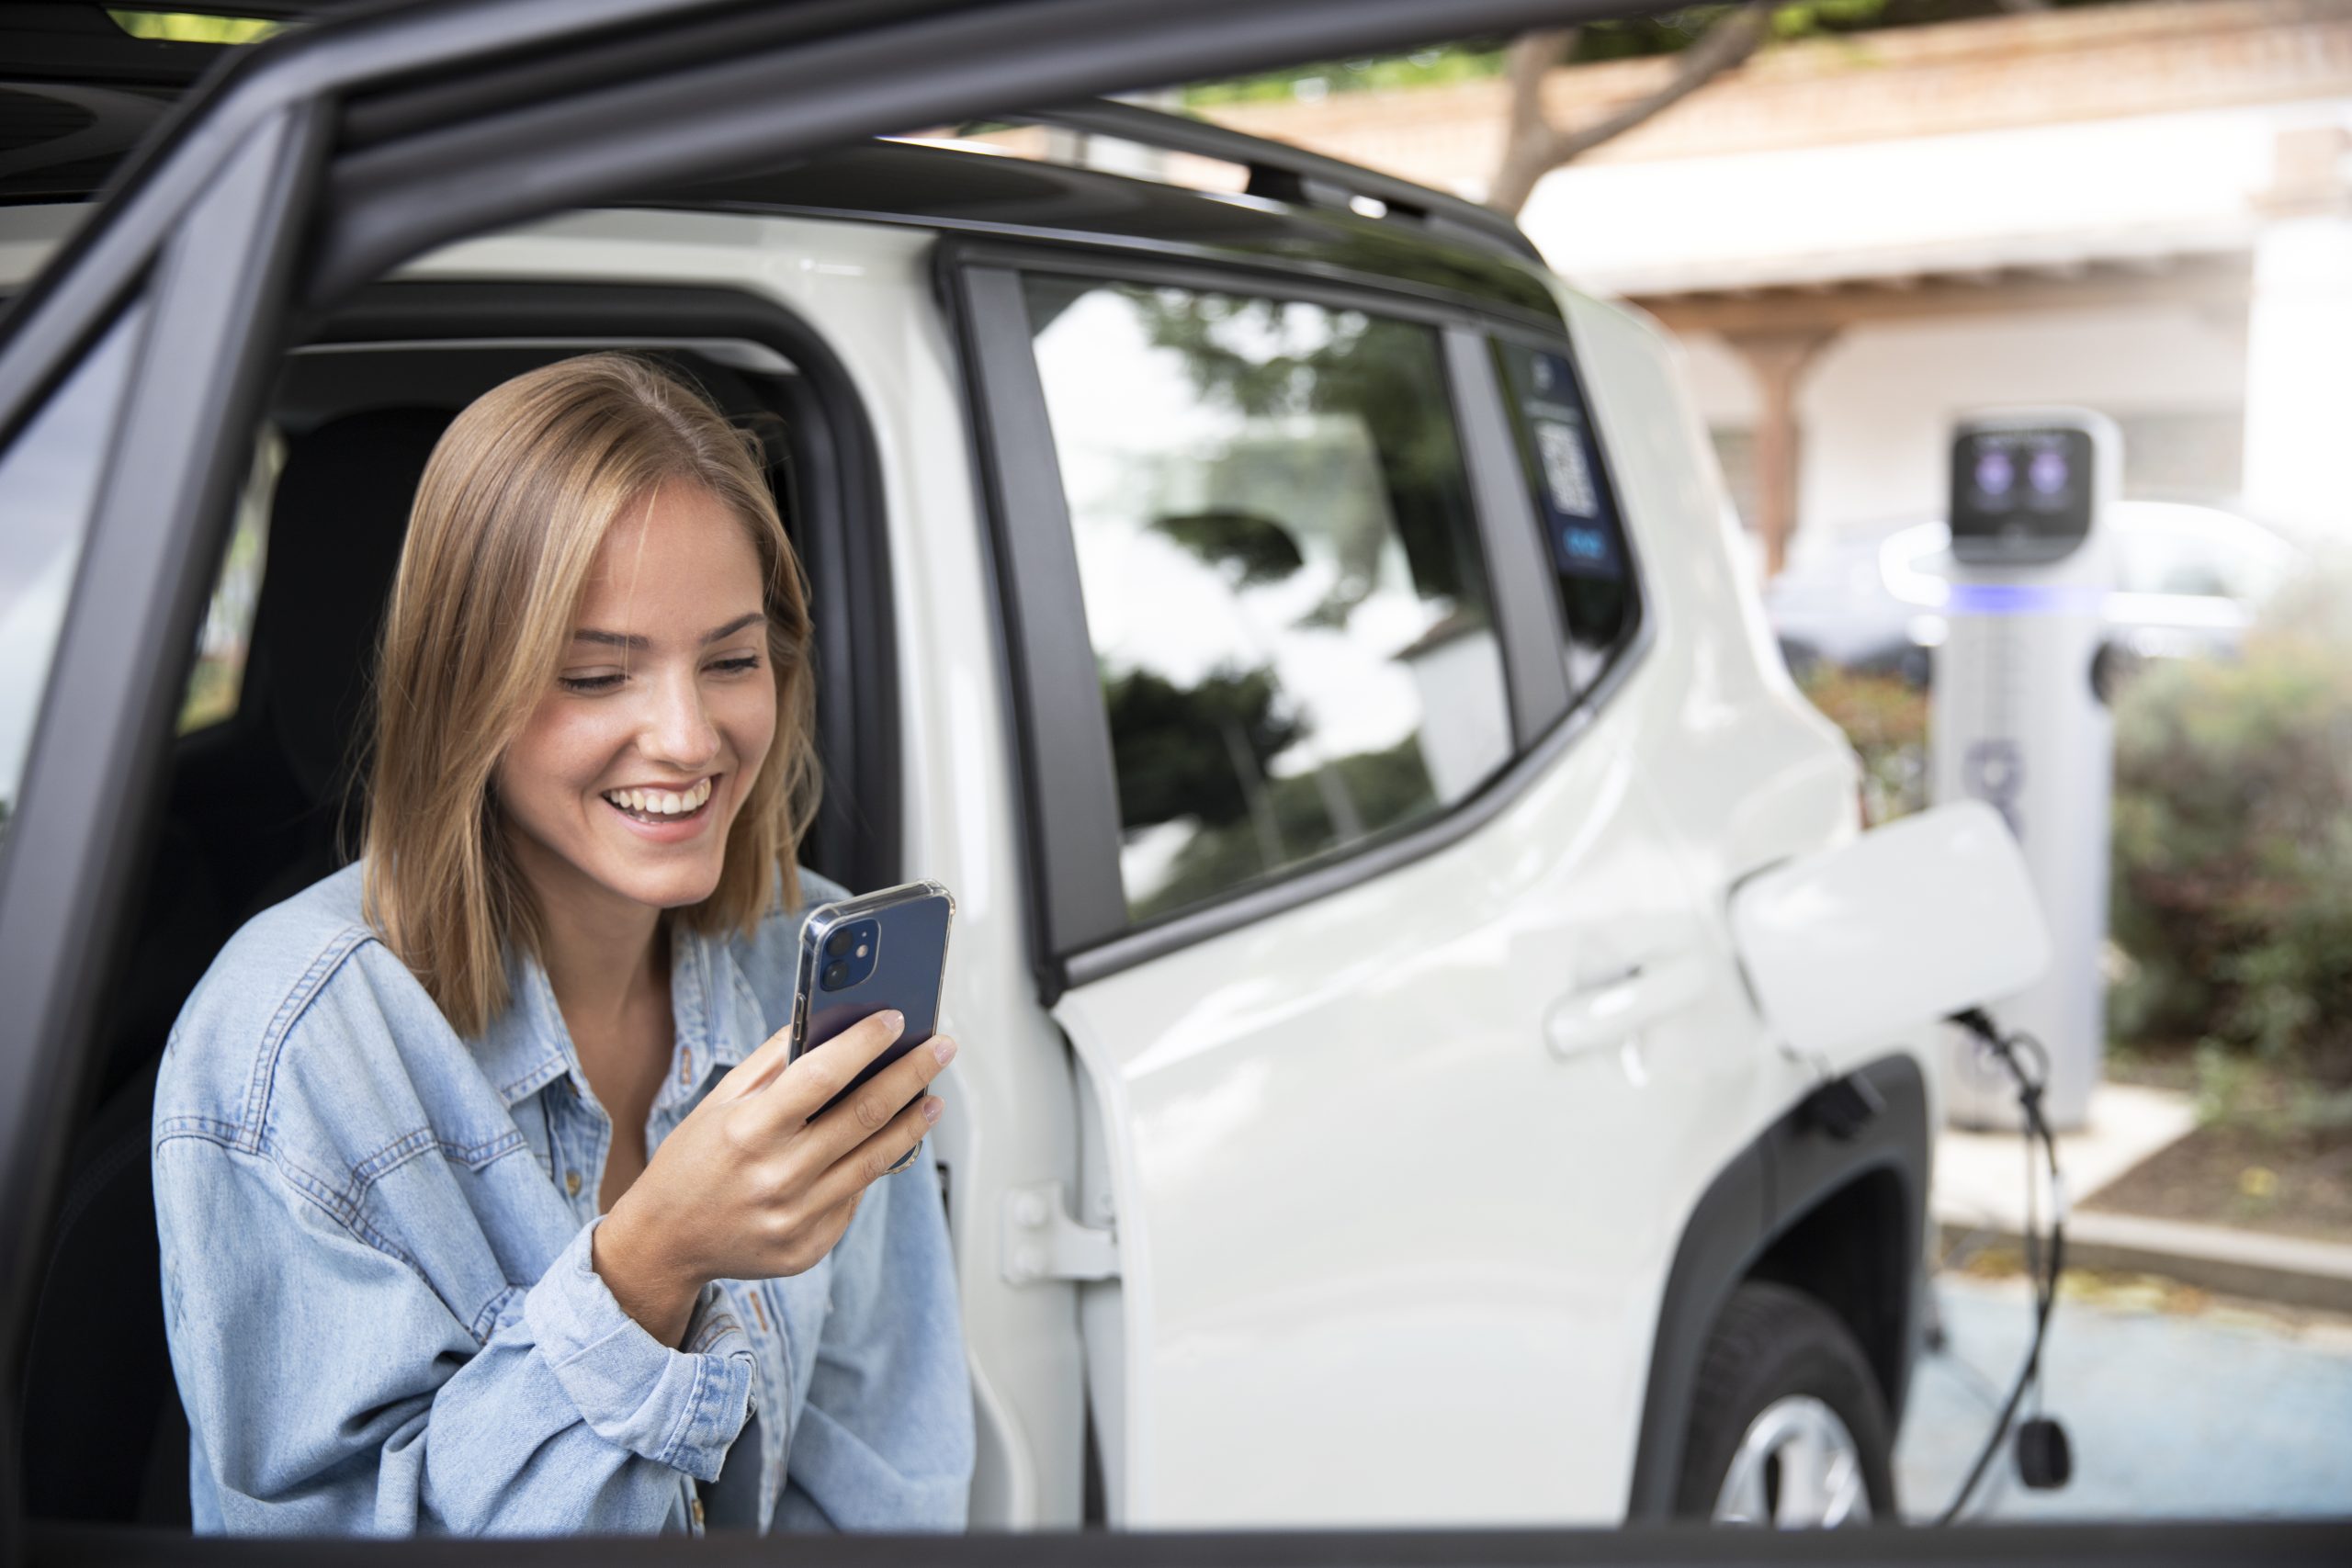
x,y
2215,1411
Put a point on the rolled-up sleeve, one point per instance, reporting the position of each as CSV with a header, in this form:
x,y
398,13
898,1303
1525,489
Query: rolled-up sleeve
x,y
679,1409
329,1389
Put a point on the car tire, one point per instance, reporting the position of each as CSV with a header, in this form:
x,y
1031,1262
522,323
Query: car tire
x,y
1785,1394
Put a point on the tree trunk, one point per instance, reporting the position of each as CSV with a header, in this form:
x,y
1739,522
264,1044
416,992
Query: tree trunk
x,y
1534,147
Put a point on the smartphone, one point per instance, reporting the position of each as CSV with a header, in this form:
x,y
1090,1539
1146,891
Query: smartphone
x,y
864,955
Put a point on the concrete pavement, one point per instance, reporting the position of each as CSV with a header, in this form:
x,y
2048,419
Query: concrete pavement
x,y
2228,1413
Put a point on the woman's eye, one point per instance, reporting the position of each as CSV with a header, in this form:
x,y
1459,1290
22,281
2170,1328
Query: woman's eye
x,y
737,665
588,683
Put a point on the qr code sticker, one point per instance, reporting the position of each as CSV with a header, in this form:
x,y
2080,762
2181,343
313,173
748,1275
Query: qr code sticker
x,y
1566,474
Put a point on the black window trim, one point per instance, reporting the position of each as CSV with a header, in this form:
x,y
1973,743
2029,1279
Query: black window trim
x,y
1528,622
1044,653
1079,925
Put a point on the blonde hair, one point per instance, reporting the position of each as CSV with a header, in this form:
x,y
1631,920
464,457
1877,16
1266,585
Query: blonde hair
x,y
515,503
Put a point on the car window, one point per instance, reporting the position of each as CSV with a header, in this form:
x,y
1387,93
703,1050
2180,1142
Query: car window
x,y
1288,608
1584,538
217,679
49,489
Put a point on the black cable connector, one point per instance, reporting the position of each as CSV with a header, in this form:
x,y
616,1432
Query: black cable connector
x,y
2044,1458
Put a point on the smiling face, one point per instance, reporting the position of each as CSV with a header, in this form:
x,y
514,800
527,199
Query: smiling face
x,y
622,786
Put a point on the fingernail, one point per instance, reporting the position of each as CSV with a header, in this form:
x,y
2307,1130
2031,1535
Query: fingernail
x,y
944,1049
894,1021
931,1108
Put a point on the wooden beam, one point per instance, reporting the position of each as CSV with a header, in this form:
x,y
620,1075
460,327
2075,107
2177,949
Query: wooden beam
x,y
2206,283
1778,361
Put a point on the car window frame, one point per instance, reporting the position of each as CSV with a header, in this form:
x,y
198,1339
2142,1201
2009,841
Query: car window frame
x,y
216,293
1081,929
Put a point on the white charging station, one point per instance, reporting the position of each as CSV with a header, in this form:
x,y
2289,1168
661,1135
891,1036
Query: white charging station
x,y
2019,721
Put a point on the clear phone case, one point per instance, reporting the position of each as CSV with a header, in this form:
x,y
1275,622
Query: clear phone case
x,y
863,955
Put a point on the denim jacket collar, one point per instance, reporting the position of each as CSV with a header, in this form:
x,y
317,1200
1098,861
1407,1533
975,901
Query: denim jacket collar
x,y
527,1045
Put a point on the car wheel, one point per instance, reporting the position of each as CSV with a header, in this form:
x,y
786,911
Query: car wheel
x,y
1787,1427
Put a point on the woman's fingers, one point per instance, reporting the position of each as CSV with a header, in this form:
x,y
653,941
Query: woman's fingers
x,y
868,1162
804,1088
878,1104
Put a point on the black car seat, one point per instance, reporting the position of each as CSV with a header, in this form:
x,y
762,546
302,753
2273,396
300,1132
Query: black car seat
x,y
253,818
343,505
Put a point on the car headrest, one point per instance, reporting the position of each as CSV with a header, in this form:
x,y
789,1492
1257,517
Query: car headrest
x,y
335,528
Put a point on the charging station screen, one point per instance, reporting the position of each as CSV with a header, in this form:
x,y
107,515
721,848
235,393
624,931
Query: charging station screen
x,y
2019,495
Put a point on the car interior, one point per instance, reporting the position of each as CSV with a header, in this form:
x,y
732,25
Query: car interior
x,y
261,804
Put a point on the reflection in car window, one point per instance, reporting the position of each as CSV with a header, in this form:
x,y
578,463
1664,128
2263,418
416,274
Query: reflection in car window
x,y
1282,581
218,677
1584,539
49,487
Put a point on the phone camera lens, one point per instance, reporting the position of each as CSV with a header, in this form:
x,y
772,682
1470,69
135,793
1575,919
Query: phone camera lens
x,y
837,944
835,977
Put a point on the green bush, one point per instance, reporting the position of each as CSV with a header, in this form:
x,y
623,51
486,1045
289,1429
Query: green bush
x,y
1886,718
2233,848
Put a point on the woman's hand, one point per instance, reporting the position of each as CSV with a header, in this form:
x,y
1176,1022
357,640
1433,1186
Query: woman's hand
x,y
748,1187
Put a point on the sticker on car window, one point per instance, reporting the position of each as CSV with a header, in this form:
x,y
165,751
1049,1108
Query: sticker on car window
x,y
1566,474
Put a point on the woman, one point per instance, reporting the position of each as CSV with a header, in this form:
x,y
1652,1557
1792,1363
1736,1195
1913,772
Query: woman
x,y
483,1205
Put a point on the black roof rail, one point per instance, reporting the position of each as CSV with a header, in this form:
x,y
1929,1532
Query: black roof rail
x,y
1281,173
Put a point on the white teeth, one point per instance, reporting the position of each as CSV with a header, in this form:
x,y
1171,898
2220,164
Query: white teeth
x,y
660,801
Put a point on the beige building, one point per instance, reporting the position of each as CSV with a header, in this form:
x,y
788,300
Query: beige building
x,y
2146,208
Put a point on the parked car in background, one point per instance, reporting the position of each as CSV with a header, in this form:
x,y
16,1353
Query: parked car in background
x,y
2190,580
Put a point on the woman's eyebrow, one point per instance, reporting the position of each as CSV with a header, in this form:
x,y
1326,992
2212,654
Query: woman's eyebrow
x,y
633,640
731,628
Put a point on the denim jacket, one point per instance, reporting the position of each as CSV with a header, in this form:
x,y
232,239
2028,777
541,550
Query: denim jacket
x,y
377,1285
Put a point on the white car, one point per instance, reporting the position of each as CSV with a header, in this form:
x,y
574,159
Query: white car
x,y
1302,632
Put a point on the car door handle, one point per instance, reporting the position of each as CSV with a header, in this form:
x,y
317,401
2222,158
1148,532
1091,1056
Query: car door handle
x,y
1606,1011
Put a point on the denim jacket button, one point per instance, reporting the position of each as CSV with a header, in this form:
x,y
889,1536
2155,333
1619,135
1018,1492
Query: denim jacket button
x,y
571,1183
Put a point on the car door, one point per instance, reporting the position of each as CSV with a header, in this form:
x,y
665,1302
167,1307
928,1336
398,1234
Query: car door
x,y
1389,956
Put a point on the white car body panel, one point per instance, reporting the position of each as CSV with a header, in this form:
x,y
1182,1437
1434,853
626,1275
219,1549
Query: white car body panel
x,y
1363,1283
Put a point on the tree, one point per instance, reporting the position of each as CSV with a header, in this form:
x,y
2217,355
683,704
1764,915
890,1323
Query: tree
x,y
1534,146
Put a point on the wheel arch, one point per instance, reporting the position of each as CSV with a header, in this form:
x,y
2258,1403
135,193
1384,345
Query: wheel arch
x,y
1841,1219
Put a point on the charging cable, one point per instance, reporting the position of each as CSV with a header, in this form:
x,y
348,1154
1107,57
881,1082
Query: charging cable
x,y
2044,1461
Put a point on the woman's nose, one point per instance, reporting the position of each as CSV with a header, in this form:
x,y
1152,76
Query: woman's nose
x,y
680,731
